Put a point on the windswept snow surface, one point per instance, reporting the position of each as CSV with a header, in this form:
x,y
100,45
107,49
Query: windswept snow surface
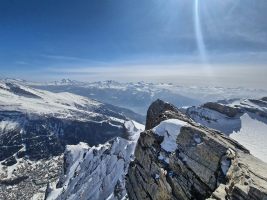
x,y
252,135
98,172
169,129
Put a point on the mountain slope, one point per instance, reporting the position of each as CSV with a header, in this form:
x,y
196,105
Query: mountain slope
x,y
36,126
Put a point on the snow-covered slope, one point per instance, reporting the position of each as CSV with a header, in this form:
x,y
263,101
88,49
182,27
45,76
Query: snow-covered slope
x,y
244,120
35,127
253,135
97,172
24,99
14,96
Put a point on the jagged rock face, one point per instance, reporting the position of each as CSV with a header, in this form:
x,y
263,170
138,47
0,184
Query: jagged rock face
x,y
97,172
179,159
159,110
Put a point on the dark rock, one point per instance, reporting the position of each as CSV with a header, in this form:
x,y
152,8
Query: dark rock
x,y
159,110
14,181
227,110
10,161
17,90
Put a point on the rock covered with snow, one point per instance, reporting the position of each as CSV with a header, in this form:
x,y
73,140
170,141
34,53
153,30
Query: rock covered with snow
x,y
226,110
97,172
169,130
180,159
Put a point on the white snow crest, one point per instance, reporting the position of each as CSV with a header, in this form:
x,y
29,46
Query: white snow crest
x,y
6,125
95,172
134,129
170,129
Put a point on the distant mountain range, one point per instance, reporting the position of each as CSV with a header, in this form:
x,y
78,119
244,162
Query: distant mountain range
x,y
137,96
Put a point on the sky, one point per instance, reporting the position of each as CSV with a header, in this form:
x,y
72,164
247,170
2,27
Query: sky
x,y
153,40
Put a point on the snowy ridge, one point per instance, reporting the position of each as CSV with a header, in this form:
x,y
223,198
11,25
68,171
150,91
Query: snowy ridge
x,y
97,172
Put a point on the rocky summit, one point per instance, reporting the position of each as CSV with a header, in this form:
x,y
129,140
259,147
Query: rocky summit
x,y
177,158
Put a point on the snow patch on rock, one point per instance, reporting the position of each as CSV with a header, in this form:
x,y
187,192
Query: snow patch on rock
x,y
169,129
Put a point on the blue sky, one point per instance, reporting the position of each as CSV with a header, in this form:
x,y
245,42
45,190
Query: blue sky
x,y
57,38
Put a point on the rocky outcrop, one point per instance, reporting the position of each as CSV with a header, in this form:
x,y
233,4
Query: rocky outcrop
x,y
160,110
176,158
224,109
